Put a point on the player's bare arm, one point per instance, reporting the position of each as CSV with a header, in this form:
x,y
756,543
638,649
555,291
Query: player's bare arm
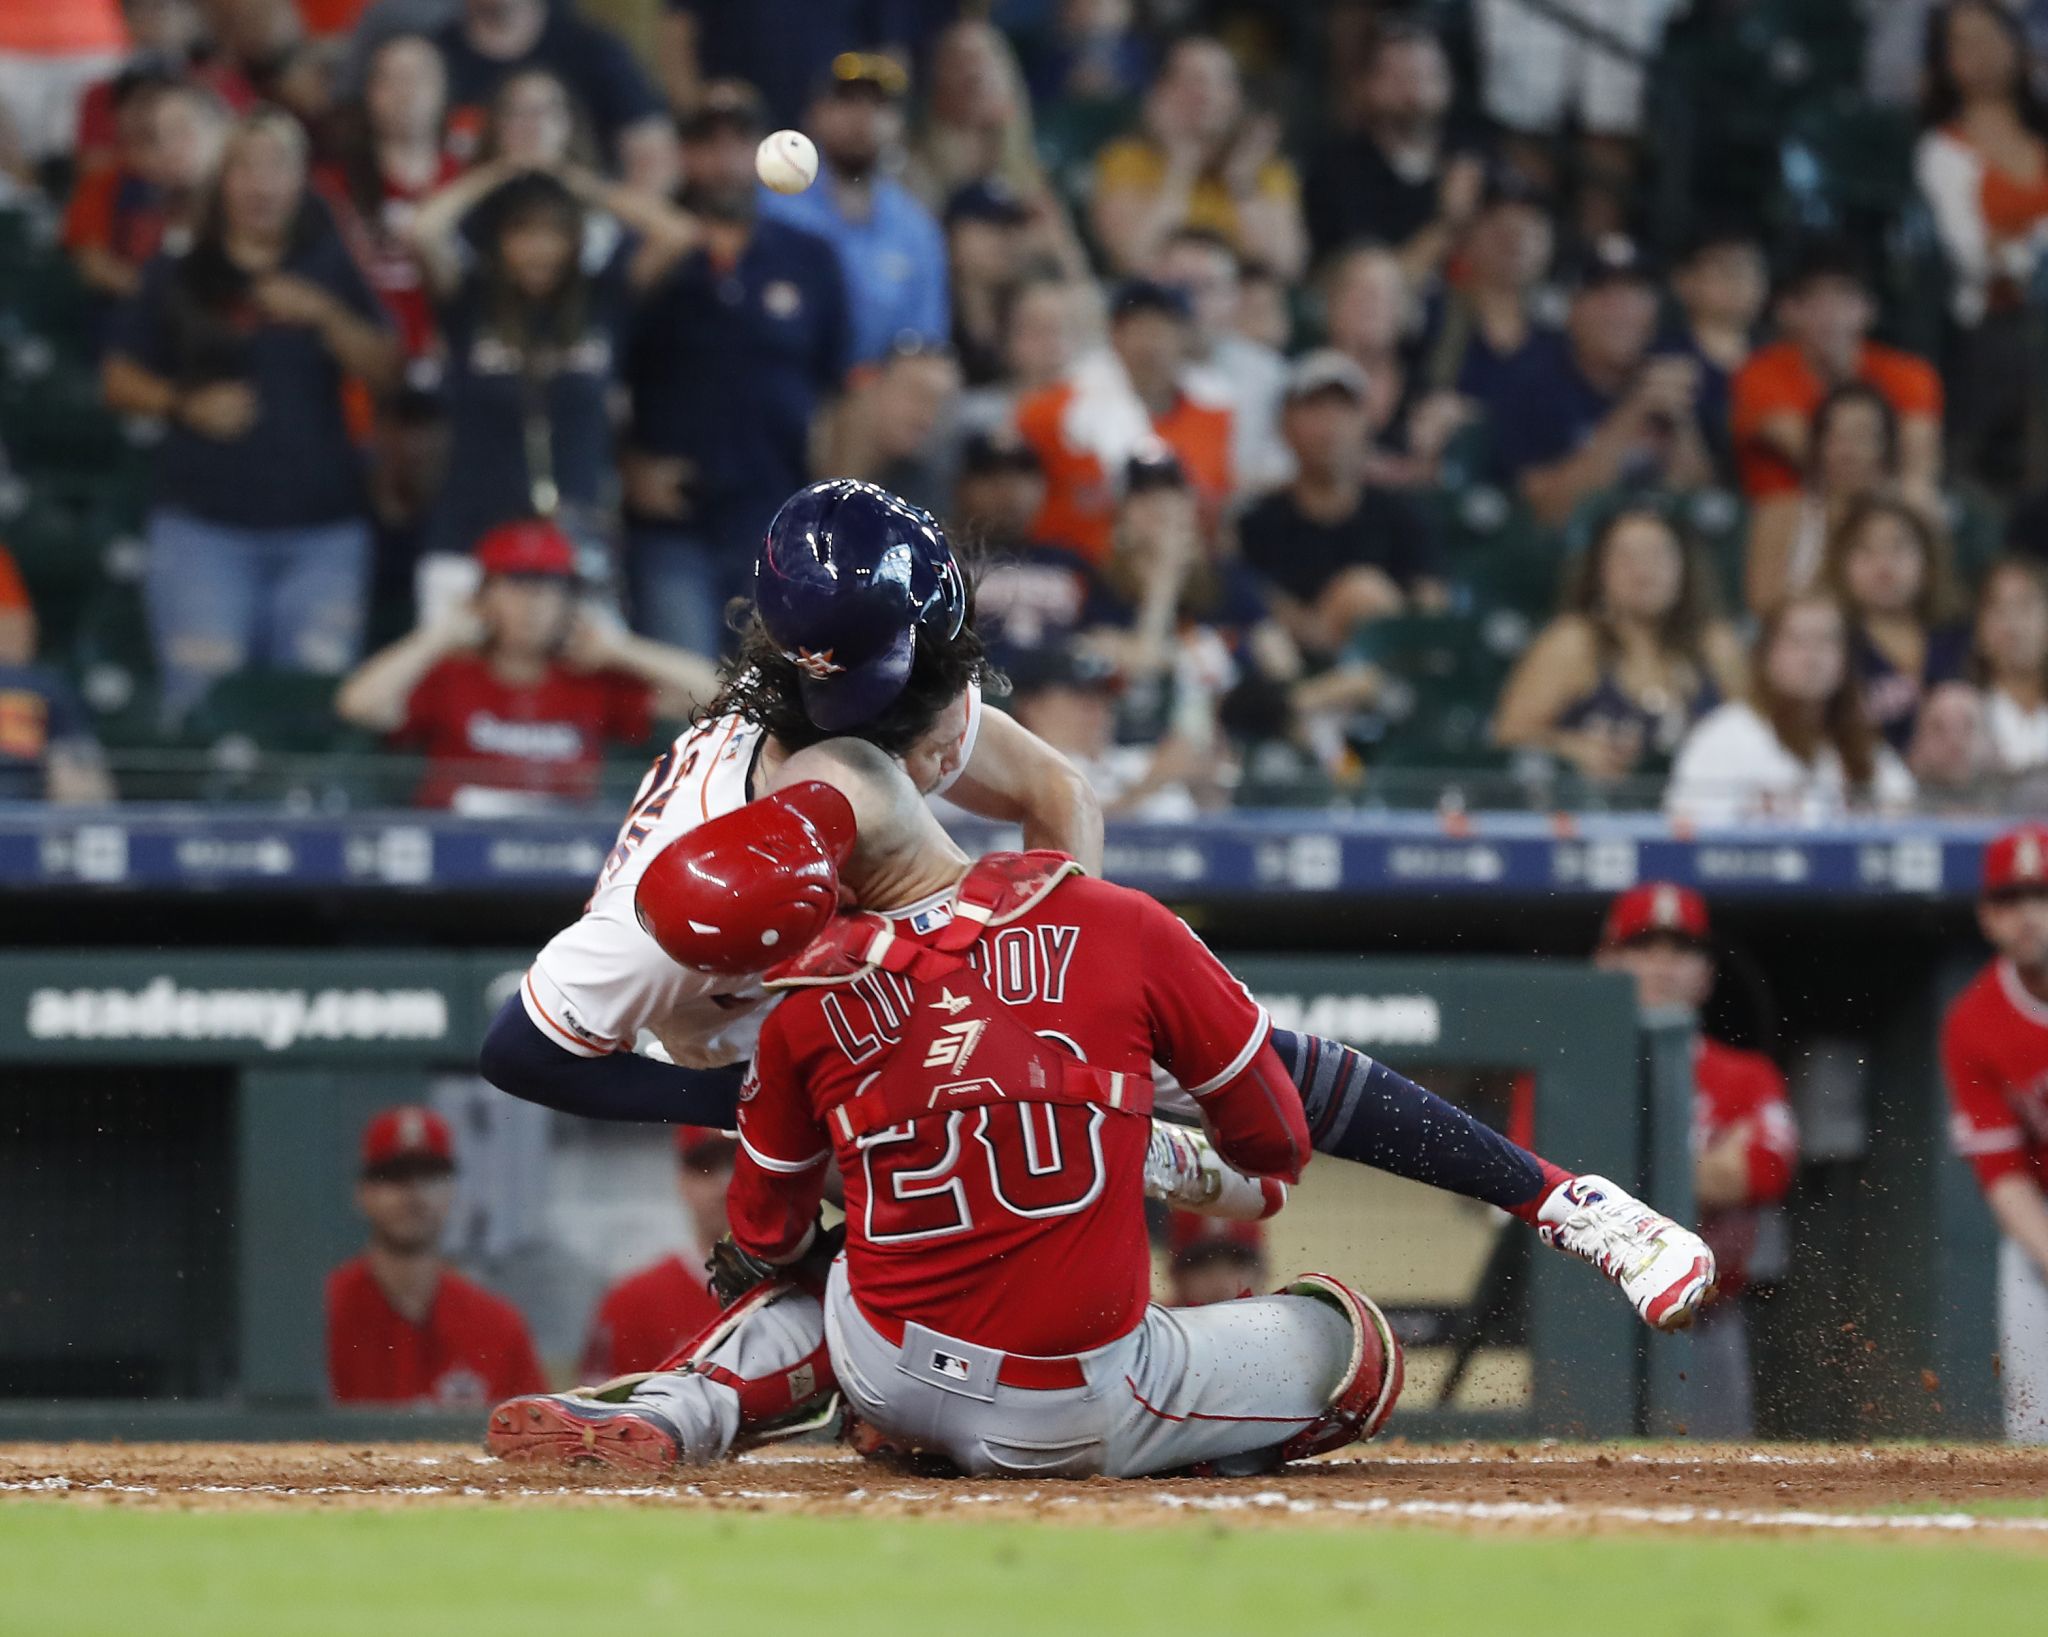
x,y
1016,777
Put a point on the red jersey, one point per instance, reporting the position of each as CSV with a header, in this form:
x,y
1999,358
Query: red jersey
x,y
1731,1087
376,237
1016,1222
548,739
1994,1050
472,1349
114,210
646,1316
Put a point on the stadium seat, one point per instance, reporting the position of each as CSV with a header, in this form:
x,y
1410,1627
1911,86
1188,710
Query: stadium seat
x,y
1443,673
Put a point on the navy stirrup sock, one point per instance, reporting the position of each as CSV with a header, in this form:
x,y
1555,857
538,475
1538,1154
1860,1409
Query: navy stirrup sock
x,y
1359,1109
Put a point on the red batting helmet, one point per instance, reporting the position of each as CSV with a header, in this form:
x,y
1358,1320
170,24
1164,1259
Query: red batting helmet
x,y
751,887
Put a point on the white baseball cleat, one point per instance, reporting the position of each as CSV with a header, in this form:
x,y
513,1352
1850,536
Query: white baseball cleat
x,y
1667,1272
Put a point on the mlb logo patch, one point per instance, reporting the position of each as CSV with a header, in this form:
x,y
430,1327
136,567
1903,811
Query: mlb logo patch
x,y
950,1365
930,920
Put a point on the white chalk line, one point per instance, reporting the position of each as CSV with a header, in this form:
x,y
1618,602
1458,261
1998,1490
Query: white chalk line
x,y
1265,1500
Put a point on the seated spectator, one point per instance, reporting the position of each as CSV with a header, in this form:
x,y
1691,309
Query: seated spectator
x,y
1596,409
1230,369
1027,595
1134,394
124,211
1615,683
1045,322
165,38
491,40
1890,567
532,123
1334,552
1393,175
737,360
1855,456
994,242
534,324
1068,696
1824,315
1371,316
1181,626
890,249
514,698
1265,312
1722,285
1093,53
1201,160
2011,662
392,160
1493,314
47,749
782,47
1212,1260
897,427
50,55
1540,76
647,1315
976,125
403,1327
1982,166
1796,747
1952,756
259,540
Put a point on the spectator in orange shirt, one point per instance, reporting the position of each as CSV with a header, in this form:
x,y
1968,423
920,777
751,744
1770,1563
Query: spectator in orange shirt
x,y
647,1315
1116,402
402,1326
1825,312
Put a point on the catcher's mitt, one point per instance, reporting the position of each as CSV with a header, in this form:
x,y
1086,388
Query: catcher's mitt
x,y
734,1271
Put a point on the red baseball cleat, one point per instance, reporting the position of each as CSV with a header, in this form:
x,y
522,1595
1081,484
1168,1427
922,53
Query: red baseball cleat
x,y
567,1429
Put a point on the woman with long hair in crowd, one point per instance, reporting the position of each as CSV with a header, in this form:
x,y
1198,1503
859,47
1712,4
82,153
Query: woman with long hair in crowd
x,y
1855,454
1889,566
1638,655
2010,662
1982,164
977,119
259,543
1797,747
534,271
389,157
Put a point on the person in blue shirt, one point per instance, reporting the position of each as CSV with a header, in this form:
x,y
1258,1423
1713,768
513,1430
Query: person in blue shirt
x,y
733,358
891,250
1596,408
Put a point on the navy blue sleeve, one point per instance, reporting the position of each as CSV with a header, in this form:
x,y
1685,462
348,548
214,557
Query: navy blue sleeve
x,y
516,1057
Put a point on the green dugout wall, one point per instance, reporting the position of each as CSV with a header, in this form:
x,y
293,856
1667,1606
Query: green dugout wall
x,y
315,1042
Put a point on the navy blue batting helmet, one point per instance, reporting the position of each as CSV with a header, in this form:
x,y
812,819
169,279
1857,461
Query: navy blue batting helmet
x,y
850,580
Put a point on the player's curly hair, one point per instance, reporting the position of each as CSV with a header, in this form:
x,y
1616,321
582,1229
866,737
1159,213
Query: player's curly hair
x,y
760,684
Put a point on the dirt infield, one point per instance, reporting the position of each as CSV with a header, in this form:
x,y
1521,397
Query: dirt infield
x,y
1902,1490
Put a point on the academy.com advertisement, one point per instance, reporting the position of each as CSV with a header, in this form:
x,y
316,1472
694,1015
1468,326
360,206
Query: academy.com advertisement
x,y
275,1018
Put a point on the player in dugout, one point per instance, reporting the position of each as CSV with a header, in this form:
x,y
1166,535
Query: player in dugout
x,y
1994,1049
1744,1140
648,1314
402,1326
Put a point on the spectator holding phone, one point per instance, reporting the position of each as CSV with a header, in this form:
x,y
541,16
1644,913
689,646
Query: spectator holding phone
x,y
259,539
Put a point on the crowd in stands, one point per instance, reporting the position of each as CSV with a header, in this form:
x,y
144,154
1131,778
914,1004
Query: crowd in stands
x,y
1594,402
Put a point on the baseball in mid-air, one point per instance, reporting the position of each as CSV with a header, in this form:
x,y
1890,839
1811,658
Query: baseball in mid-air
x,y
786,161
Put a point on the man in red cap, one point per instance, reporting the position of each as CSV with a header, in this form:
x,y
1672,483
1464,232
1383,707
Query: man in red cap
x,y
647,1314
1994,1050
1744,1141
514,696
402,1326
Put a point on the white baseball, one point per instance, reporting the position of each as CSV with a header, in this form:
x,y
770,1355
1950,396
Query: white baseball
x,y
786,161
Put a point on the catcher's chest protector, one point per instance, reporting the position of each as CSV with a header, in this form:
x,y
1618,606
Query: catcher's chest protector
x,y
959,1046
